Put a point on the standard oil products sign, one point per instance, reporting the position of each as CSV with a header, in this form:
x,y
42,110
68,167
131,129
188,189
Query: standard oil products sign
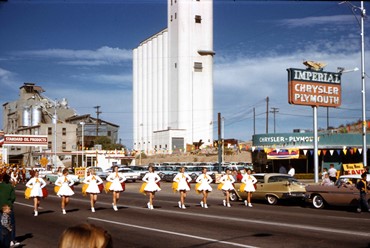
x,y
314,88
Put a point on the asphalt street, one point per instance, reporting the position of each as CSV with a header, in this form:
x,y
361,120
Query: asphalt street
x,y
133,225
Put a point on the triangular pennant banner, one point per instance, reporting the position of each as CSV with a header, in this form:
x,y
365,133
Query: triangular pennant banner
x,y
360,150
253,148
351,151
338,151
305,152
331,152
355,149
324,152
311,152
345,151
319,152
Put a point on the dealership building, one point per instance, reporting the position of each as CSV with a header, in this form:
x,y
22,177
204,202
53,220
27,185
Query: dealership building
x,y
344,150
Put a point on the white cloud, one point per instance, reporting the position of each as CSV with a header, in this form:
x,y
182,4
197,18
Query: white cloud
x,y
120,80
103,55
7,78
243,84
317,20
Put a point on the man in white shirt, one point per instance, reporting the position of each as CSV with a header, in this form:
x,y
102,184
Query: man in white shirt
x,y
332,173
291,171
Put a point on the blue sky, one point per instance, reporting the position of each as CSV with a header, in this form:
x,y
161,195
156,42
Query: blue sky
x,y
82,50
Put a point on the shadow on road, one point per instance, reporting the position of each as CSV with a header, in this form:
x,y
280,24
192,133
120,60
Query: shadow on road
x,y
24,237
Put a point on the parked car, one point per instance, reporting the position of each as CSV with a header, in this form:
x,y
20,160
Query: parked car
x,y
141,169
129,174
167,172
342,193
272,187
52,177
98,171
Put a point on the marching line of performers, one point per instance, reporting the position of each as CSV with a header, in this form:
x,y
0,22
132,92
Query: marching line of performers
x,y
94,185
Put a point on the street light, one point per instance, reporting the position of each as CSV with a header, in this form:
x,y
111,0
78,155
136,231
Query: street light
x,y
363,91
55,120
141,143
83,142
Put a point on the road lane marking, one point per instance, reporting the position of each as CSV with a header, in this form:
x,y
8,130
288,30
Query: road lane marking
x,y
172,233
27,205
272,223
261,222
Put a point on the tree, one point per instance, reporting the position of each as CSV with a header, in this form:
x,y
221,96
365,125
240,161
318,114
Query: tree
x,y
106,143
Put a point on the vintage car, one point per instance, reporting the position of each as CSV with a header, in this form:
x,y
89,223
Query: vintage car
x,y
98,171
342,193
272,187
129,174
52,177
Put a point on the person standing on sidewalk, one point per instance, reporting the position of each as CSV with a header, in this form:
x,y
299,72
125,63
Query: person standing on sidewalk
x,y
204,181
332,173
363,188
7,197
36,184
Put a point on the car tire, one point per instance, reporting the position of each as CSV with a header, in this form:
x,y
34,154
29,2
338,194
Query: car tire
x,y
318,201
233,196
272,200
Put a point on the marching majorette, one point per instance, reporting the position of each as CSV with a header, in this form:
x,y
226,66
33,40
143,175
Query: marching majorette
x,y
65,190
116,180
35,186
248,182
203,185
93,189
182,179
226,185
151,181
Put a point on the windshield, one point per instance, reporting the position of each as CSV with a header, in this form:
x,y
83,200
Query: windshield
x,y
274,179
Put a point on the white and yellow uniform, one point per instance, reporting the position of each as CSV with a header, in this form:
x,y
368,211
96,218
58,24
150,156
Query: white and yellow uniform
x,y
65,184
204,181
182,179
151,178
36,184
249,181
116,178
227,181
93,181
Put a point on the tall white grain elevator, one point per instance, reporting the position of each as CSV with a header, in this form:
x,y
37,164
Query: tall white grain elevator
x,y
173,81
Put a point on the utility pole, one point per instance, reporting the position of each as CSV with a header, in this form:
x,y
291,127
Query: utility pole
x,y
219,143
274,111
267,115
97,120
254,121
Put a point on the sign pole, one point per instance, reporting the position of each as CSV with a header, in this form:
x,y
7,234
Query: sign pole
x,y
315,145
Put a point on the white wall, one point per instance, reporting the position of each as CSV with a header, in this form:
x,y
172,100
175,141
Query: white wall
x,y
168,92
